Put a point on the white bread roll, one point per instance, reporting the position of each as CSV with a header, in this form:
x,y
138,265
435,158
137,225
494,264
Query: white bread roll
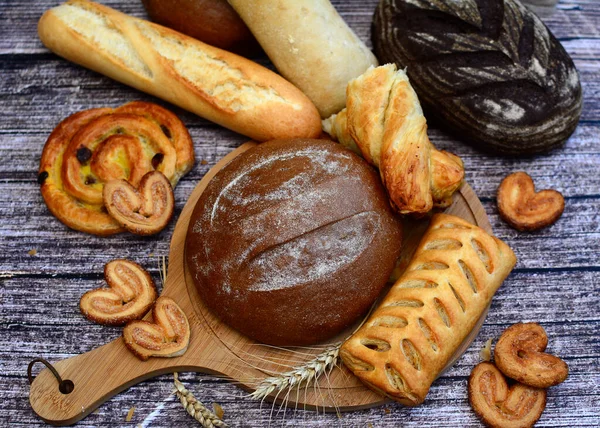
x,y
215,84
311,46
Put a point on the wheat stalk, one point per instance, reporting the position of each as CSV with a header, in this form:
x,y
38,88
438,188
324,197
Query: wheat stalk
x,y
162,270
195,408
299,375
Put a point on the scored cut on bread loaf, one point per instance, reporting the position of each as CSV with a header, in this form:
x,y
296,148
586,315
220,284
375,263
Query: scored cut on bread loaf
x,y
215,84
292,241
490,71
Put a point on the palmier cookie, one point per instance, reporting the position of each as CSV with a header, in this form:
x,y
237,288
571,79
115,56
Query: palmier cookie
x,y
525,209
95,146
520,355
130,295
145,210
167,336
500,406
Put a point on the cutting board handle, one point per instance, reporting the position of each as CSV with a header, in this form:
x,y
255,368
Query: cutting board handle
x,y
105,371
96,376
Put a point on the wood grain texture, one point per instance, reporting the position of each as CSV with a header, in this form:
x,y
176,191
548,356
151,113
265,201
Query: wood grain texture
x,y
216,348
555,283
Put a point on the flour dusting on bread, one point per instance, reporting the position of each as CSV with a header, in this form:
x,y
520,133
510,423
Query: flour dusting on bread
x,y
106,36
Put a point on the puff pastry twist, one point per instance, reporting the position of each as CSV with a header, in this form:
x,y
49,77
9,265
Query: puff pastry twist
x,y
167,336
520,355
95,146
130,295
383,121
145,210
429,311
499,406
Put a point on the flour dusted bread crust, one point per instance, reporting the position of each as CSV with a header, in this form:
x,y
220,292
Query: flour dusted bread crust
x,y
429,311
490,71
311,46
217,85
292,241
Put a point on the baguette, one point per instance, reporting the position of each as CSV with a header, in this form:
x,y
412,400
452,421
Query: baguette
x,y
215,84
311,46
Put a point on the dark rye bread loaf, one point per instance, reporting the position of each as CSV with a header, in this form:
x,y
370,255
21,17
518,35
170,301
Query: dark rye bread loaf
x,y
489,70
292,241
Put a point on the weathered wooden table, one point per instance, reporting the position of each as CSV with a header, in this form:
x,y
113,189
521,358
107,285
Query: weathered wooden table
x,y
45,267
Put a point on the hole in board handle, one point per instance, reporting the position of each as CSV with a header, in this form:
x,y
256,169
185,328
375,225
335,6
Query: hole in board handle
x,y
64,386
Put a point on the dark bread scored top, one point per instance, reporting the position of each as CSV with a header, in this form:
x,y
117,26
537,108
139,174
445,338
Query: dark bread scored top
x,y
292,241
490,70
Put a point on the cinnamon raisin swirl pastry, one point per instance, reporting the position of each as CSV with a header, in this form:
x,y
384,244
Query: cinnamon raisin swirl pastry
x,y
95,146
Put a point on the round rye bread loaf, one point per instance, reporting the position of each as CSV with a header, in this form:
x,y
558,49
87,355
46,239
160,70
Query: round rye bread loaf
x,y
490,71
292,241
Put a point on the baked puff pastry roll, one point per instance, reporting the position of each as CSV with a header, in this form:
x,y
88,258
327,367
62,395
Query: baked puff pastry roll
x,y
408,340
93,147
383,121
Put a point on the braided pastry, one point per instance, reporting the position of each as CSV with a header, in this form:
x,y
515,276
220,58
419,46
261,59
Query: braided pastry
x,y
429,311
92,147
384,122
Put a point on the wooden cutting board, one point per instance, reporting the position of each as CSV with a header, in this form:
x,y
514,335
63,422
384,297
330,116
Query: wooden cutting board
x,y
214,347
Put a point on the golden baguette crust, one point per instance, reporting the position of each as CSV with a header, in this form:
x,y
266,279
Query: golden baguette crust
x,y
217,85
429,311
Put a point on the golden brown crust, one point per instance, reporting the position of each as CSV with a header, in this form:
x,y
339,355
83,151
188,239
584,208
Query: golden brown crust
x,y
525,209
167,336
520,355
500,407
211,21
94,146
430,310
143,211
383,118
310,44
215,84
130,295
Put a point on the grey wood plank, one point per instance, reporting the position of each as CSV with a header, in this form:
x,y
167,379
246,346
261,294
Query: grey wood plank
x,y
447,401
555,282
572,18
573,242
31,84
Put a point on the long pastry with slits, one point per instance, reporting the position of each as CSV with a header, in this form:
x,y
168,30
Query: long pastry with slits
x,y
407,341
